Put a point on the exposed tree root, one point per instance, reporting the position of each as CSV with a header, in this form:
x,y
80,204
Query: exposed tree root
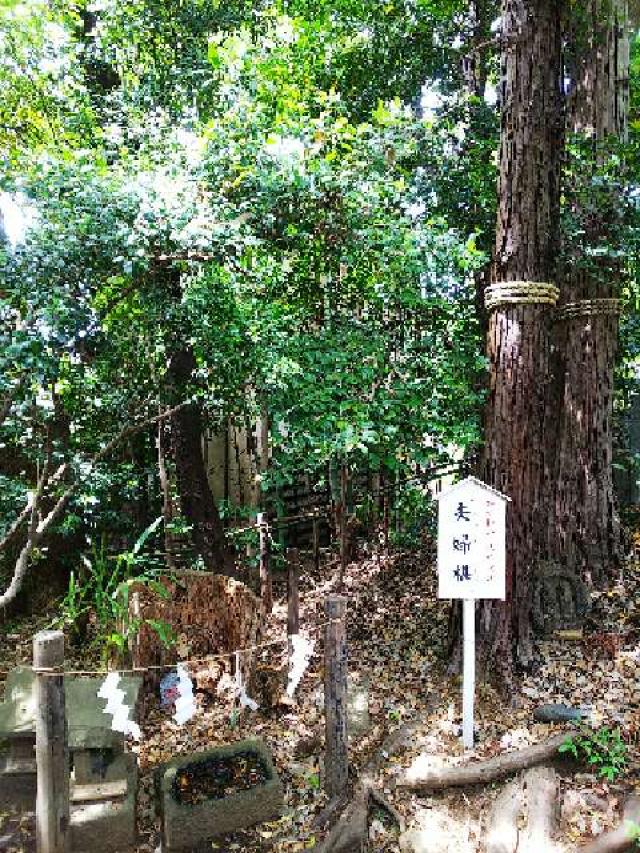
x,y
618,840
350,832
484,771
524,817
542,792
502,824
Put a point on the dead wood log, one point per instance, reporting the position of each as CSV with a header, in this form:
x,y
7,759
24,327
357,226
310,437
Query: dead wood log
x,y
618,840
484,771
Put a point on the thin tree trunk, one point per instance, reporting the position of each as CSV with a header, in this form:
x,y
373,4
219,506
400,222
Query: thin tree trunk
x,y
168,508
518,335
196,498
585,528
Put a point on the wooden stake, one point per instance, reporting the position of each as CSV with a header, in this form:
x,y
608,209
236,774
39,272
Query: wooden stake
x,y
134,636
316,542
336,763
293,599
52,751
385,521
343,525
266,591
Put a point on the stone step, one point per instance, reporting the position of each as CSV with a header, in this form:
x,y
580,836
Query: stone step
x,y
97,792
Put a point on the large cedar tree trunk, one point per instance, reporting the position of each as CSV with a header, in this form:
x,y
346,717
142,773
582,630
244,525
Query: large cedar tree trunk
x,y
585,529
518,335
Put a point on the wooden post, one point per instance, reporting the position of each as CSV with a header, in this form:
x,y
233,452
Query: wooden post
x,y
134,636
316,541
385,521
293,598
343,525
52,752
266,591
336,762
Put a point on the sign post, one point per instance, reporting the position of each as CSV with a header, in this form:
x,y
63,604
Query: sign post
x,y
468,669
471,565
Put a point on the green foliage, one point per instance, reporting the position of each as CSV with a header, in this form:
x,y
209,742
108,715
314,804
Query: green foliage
x,y
339,237
101,593
633,832
603,749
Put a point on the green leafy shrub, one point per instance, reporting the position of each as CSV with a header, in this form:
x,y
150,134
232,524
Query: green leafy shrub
x,y
603,749
102,592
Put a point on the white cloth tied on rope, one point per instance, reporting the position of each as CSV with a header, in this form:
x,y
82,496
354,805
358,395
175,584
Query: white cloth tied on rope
x,y
116,706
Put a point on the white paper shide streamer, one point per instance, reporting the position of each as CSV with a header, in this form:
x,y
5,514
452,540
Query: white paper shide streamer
x,y
301,652
185,703
116,706
241,692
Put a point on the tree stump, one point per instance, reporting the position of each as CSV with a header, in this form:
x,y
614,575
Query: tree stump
x,y
210,614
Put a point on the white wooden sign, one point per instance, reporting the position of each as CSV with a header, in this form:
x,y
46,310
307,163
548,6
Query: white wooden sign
x,y
471,564
471,541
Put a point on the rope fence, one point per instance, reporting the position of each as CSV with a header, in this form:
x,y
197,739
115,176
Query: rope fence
x,y
137,670
57,752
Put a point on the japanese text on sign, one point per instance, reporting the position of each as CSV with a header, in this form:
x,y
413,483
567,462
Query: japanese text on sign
x,y
471,541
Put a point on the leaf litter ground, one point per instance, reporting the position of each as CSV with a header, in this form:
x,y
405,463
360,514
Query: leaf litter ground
x,y
397,638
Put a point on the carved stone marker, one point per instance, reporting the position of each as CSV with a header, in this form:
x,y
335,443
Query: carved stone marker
x,y
560,599
92,743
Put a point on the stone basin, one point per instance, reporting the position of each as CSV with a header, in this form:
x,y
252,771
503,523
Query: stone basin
x,y
186,826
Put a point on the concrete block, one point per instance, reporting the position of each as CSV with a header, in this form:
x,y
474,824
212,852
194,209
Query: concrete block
x,y
106,825
89,727
93,745
93,766
18,774
186,826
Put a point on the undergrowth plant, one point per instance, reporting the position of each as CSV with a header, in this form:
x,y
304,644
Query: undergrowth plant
x,y
102,593
603,749
633,832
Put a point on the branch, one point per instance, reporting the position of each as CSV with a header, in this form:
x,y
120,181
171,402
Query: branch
x,y
24,515
98,457
37,530
7,402
17,524
496,40
22,563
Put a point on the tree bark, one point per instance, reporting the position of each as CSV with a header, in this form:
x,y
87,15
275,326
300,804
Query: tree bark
x,y
585,528
196,498
518,334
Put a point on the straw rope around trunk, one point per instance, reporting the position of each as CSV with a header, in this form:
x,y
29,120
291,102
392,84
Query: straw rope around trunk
x,y
520,292
589,307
